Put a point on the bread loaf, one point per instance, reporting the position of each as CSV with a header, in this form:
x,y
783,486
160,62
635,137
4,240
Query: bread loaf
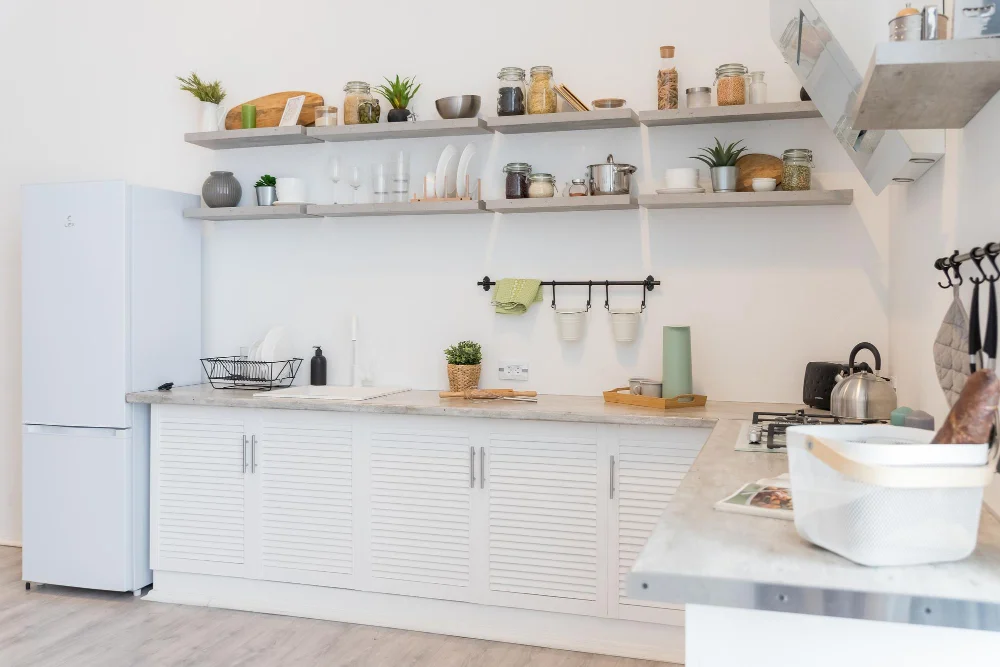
x,y
972,416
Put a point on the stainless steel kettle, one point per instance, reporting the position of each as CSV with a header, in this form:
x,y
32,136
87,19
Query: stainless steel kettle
x,y
860,394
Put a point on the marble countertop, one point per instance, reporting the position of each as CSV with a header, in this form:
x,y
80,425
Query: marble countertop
x,y
548,408
698,555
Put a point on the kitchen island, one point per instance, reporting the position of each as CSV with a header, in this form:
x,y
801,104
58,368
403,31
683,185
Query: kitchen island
x,y
499,520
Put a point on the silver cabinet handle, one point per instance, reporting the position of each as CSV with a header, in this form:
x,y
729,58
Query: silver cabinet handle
x,y
482,467
253,454
611,479
472,467
244,455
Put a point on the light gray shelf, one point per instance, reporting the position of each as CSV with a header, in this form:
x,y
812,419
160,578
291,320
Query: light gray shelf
x,y
422,128
395,208
249,212
561,204
749,199
258,136
563,121
731,114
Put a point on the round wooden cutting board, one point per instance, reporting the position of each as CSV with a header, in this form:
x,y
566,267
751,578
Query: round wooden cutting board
x,y
757,165
270,107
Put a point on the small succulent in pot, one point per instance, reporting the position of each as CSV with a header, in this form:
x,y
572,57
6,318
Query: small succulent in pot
x,y
266,192
399,94
464,365
721,161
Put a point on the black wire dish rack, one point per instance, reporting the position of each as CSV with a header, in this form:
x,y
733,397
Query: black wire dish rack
x,y
242,373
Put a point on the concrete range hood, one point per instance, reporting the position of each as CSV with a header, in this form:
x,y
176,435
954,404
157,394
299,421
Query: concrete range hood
x,y
829,76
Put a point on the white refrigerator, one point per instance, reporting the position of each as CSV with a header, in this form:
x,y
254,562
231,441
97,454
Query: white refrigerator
x,y
111,303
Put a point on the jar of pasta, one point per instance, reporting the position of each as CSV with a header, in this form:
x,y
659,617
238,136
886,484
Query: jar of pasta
x,y
731,84
356,92
541,94
796,172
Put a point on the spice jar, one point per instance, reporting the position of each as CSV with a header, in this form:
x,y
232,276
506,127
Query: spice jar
x,y
666,80
699,97
326,116
758,89
796,173
577,188
511,94
517,180
356,92
541,185
541,94
731,84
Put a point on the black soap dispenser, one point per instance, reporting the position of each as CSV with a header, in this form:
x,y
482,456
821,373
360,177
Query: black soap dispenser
x,y
317,368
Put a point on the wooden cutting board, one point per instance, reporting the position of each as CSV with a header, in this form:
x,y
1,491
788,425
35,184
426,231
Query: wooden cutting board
x,y
270,107
757,165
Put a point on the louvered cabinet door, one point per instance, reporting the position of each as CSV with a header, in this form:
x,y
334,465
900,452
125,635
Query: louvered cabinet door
x,y
650,465
303,466
198,491
546,520
420,526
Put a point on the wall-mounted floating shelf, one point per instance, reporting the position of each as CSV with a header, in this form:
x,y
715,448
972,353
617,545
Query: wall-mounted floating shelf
x,y
749,199
730,114
563,121
279,212
396,208
252,138
422,128
557,204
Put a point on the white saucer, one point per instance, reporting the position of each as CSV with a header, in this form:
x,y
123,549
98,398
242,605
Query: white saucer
x,y
679,191
290,203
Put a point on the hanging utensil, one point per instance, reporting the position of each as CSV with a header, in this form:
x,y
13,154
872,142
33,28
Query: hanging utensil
x,y
975,337
951,345
990,342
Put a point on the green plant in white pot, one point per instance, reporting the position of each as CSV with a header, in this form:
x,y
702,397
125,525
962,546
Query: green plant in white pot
x,y
721,161
464,365
210,95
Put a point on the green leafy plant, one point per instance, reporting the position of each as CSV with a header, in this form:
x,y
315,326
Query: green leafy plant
x,y
399,93
465,353
266,181
206,92
721,156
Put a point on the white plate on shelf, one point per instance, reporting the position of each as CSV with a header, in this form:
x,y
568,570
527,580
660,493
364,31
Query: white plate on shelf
x,y
463,170
679,191
444,166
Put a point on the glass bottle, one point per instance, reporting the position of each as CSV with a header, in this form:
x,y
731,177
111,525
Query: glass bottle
x,y
541,94
356,93
577,188
511,94
666,80
731,84
758,89
796,172
516,185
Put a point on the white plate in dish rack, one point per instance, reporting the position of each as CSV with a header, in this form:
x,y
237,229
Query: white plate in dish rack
x,y
331,393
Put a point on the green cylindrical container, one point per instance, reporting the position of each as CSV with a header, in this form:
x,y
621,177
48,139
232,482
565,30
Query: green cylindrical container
x,y
249,112
677,361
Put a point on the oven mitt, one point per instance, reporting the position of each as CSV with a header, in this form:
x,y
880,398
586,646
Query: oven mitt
x,y
951,350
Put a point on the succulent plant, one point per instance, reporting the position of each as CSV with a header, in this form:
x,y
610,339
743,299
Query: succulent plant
x,y
721,156
399,93
206,92
266,181
465,353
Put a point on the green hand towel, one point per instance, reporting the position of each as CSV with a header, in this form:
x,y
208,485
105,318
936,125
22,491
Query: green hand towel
x,y
513,296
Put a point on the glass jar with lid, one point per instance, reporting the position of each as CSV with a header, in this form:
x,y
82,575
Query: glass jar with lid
x,y
511,93
541,94
577,188
731,84
796,172
699,97
541,185
517,180
356,92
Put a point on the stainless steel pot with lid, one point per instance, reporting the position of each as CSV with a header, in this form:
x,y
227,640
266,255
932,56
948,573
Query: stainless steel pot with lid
x,y
610,178
860,394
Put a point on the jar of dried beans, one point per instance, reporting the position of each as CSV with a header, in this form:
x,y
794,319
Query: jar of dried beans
x,y
516,184
541,94
666,80
731,84
796,173
511,93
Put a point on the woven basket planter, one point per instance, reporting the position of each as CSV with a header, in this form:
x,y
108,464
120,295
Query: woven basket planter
x,y
462,378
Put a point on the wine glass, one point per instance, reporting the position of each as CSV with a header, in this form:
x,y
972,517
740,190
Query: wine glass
x,y
354,180
334,172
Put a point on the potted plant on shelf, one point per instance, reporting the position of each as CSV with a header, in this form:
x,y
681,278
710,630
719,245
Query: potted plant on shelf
x,y
399,93
210,95
721,161
265,187
464,365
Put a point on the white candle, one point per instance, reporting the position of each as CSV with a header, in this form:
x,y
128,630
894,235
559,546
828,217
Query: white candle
x,y
354,327
429,184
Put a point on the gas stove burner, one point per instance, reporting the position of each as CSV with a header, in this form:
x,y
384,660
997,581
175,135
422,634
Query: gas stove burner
x,y
768,428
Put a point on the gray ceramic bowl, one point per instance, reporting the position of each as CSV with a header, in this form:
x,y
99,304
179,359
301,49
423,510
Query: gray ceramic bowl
x,y
458,106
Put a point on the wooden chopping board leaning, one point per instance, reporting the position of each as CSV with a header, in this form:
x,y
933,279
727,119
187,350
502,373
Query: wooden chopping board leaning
x,y
270,107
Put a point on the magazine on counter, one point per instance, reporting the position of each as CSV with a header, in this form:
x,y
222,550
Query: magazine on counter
x,y
765,497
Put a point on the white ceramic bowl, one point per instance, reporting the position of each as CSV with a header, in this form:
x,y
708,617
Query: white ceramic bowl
x,y
764,184
625,325
291,190
570,323
686,177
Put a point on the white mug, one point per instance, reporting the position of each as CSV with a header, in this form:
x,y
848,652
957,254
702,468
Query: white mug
x,y
291,190
686,177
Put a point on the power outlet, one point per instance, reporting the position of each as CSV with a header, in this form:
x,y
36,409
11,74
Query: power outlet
x,y
514,371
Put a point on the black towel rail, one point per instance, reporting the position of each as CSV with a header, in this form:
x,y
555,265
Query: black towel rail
x,y
977,254
648,284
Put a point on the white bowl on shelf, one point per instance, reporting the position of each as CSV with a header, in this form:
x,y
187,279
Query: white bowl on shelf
x,y
764,184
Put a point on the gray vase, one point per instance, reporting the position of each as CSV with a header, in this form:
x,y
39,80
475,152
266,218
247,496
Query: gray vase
x,y
724,179
221,189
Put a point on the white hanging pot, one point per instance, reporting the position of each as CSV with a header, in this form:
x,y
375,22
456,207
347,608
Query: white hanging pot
x,y
570,323
210,117
625,324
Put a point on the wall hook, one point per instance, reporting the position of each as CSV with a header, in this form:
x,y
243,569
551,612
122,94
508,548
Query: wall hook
x,y
978,261
955,264
607,296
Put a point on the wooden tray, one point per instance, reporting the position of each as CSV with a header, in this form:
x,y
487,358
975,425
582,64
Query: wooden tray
x,y
615,396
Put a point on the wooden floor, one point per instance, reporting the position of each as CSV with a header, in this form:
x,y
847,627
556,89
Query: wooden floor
x,y
51,625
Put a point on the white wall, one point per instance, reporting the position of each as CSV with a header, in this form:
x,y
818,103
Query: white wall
x,y
764,290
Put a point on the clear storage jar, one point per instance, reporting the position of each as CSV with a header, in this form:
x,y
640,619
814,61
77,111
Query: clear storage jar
x,y
516,184
511,93
577,188
541,94
796,172
699,97
541,186
731,84
356,92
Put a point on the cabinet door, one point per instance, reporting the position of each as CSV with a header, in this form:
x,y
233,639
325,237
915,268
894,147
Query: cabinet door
x,y
198,480
420,507
650,464
547,518
303,467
